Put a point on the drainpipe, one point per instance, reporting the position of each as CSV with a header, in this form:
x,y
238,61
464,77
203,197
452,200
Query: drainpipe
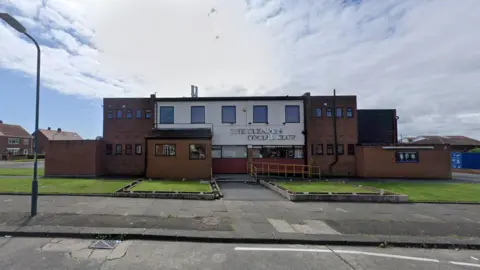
x,y
330,167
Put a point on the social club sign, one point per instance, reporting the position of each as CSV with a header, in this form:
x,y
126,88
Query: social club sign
x,y
262,134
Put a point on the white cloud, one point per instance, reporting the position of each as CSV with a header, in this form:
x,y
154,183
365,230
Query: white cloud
x,y
419,56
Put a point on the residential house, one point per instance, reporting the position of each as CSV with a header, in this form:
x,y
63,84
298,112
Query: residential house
x,y
14,140
49,134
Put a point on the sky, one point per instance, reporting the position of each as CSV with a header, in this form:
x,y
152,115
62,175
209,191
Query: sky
x,y
421,57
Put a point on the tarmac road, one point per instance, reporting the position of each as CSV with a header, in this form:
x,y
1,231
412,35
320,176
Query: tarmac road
x,y
48,253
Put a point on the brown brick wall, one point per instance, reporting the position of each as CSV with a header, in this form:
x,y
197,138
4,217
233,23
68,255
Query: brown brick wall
x,y
375,162
42,143
74,158
179,166
127,131
320,131
4,145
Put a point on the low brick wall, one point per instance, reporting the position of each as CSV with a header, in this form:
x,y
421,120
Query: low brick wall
x,y
338,197
167,195
474,171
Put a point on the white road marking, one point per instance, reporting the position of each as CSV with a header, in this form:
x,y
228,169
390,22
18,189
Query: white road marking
x,y
282,249
465,264
473,258
281,225
341,210
320,227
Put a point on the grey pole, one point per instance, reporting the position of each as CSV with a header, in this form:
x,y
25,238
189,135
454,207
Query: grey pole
x,y
20,28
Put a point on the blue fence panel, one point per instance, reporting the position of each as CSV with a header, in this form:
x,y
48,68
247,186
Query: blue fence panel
x,y
457,160
470,161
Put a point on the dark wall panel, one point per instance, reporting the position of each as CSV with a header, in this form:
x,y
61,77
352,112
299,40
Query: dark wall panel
x,y
377,126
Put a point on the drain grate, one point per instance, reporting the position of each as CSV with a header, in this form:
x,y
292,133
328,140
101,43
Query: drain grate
x,y
104,244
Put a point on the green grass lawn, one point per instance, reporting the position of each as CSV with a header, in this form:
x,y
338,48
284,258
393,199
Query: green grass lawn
x,y
26,160
439,192
19,171
172,186
337,187
74,186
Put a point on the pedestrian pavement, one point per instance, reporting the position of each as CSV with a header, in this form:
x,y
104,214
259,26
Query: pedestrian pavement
x,y
231,219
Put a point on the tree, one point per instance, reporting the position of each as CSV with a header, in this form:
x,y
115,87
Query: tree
x,y
475,150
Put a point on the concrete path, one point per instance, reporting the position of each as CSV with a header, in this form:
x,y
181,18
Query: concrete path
x,y
249,191
271,220
21,165
58,253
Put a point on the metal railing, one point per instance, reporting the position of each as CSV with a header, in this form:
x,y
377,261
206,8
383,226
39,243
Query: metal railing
x,y
283,170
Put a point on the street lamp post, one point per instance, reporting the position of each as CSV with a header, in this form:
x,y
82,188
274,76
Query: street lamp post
x,y
20,28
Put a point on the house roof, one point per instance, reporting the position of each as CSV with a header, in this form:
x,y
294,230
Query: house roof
x,y
13,131
60,135
440,140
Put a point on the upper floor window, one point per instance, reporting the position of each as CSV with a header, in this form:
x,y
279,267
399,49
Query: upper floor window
x,y
128,149
318,112
138,149
138,114
292,114
118,149
350,112
166,115
26,141
119,114
329,112
13,141
260,114
318,149
229,114
129,114
329,149
339,112
197,114
147,114
110,114
340,149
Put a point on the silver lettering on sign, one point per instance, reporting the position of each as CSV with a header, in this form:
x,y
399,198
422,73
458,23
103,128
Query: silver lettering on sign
x,y
262,134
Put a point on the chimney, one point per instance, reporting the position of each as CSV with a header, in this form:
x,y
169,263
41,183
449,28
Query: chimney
x,y
49,128
59,130
194,90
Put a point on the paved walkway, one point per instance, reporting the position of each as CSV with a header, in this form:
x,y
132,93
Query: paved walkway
x,y
244,219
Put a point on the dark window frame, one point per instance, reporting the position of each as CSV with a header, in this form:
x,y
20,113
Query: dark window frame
x,y
191,115
129,114
141,150
292,106
109,114
148,114
351,149
266,114
119,114
318,115
349,112
329,112
161,121
138,114
340,149
162,154
317,153
341,112
190,151
108,149
128,149
234,114
118,153
330,149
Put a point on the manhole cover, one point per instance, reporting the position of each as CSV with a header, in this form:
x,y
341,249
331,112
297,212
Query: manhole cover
x,y
105,244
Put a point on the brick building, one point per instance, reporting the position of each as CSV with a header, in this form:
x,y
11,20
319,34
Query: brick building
x,y
14,141
195,137
49,134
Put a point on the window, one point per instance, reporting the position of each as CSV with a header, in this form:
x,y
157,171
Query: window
x,y
216,152
260,114
166,115
128,149
351,149
350,112
129,114
234,152
278,152
329,112
329,149
138,114
108,149
26,141
197,114
318,112
119,114
197,151
138,149
340,149
229,114
110,114
318,149
147,114
292,114
339,112
165,150
118,149
13,151
13,141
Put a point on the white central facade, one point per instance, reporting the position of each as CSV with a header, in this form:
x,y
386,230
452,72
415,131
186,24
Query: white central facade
x,y
279,130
